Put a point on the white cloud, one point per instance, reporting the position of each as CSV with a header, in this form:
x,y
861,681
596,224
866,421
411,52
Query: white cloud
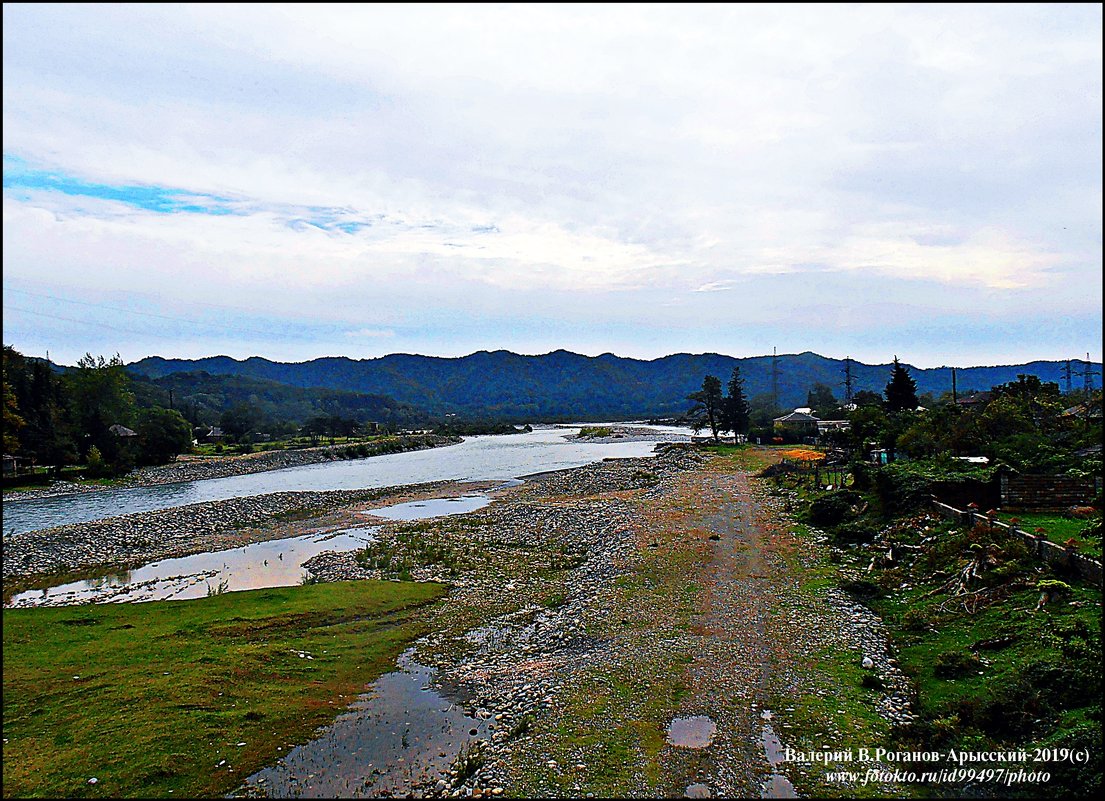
x,y
599,155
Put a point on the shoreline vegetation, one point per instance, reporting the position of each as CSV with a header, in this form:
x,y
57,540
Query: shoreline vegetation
x,y
224,466
580,614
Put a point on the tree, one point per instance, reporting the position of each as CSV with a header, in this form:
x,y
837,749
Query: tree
x,y
820,398
238,421
901,390
42,402
101,398
866,397
707,408
13,421
735,412
164,434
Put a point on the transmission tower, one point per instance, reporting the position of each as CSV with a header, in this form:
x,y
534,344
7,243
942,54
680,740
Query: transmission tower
x,y
1087,374
848,385
1067,375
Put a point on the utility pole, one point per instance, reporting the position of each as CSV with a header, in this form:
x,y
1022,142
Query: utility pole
x,y
775,376
955,393
170,398
848,387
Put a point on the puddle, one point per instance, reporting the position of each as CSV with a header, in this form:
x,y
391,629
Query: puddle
x,y
275,563
399,736
776,785
693,732
435,507
697,791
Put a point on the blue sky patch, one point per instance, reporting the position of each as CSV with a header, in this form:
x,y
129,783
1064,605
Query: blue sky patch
x,y
19,177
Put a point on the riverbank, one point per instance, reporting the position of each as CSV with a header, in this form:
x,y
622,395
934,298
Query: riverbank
x,y
241,464
48,556
589,610
593,607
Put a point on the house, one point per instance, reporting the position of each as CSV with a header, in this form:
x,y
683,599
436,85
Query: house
x,y
976,399
209,434
798,423
825,426
14,464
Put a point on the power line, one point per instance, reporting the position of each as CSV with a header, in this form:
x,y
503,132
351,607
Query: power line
x,y
82,322
189,321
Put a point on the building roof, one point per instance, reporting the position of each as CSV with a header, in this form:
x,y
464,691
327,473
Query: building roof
x,y
122,431
796,417
978,397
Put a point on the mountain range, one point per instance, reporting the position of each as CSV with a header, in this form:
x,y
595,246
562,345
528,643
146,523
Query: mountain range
x,y
563,385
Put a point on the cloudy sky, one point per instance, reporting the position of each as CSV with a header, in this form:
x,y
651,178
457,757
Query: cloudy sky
x,y
294,182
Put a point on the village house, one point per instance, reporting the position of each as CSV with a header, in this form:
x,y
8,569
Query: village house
x,y
799,425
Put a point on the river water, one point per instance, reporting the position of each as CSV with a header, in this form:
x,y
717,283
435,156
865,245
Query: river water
x,y
500,457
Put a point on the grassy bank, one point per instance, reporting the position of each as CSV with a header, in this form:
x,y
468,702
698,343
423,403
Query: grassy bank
x,y
187,698
1002,653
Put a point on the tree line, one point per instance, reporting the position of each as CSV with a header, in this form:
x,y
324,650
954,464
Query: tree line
x,y
86,414
97,414
1027,424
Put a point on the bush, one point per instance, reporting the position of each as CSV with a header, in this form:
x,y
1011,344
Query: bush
x,y
862,590
916,620
857,531
97,465
834,507
901,492
954,664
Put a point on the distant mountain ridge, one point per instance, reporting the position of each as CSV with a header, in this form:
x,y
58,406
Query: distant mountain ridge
x,y
562,384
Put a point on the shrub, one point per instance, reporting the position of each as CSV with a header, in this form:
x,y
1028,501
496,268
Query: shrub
x,y
97,465
902,492
916,620
954,664
862,590
871,682
857,531
834,507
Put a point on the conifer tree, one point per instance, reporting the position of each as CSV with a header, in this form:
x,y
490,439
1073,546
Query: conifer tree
x,y
901,390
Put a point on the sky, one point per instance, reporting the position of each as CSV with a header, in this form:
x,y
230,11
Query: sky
x,y
302,181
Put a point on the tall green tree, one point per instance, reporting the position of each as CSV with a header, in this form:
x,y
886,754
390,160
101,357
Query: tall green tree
x,y
239,421
901,390
13,421
707,408
42,400
735,411
101,398
820,398
164,434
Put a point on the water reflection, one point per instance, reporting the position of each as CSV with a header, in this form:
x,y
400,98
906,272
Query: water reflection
x,y
400,735
693,732
434,507
275,563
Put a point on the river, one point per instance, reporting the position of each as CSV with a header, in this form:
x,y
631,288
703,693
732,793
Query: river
x,y
499,457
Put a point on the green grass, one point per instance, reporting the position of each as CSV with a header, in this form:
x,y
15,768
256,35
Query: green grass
x,y
1058,528
167,690
595,431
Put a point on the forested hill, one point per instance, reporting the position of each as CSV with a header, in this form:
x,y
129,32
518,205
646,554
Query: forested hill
x,y
567,385
205,397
